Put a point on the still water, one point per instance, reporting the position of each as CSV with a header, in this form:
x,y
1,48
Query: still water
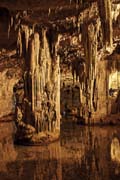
x,y
83,153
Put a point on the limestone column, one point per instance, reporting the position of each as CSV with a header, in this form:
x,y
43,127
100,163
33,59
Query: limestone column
x,y
39,120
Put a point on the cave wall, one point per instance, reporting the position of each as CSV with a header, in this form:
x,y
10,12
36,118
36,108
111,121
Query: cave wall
x,y
10,65
7,103
9,76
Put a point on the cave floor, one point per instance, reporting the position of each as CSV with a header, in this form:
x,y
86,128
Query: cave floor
x,y
81,153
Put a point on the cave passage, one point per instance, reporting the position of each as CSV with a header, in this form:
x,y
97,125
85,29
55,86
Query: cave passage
x,y
59,90
60,63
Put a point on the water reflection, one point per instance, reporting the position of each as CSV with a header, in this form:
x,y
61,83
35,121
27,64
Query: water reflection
x,y
115,150
83,153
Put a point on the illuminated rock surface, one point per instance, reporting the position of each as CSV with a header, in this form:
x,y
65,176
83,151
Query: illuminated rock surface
x,y
58,47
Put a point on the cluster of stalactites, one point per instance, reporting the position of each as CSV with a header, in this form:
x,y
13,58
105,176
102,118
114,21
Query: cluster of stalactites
x,y
90,36
115,11
105,13
15,21
24,33
42,84
87,68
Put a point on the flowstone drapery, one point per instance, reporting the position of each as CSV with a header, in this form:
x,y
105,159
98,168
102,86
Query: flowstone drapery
x,y
38,93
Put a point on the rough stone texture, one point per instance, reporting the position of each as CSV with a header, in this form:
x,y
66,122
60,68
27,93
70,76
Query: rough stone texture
x,y
38,95
106,20
84,35
88,66
9,76
96,101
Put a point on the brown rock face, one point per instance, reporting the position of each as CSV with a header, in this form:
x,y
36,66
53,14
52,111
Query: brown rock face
x,y
10,72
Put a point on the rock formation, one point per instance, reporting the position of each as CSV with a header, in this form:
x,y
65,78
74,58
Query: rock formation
x,y
37,94
106,21
78,38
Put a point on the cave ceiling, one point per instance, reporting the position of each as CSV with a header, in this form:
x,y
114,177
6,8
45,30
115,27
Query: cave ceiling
x,y
61,16
47,12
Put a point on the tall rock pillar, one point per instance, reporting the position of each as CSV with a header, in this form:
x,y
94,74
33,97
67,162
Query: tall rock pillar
x,y
38,94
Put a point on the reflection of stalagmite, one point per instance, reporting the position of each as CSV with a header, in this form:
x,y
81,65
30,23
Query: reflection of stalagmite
x,y
115,150
7,152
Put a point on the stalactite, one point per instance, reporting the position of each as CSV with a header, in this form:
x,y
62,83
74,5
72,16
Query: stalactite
x,y
27,32
106,21
24,33
9,28
49,11
19,43
11,21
